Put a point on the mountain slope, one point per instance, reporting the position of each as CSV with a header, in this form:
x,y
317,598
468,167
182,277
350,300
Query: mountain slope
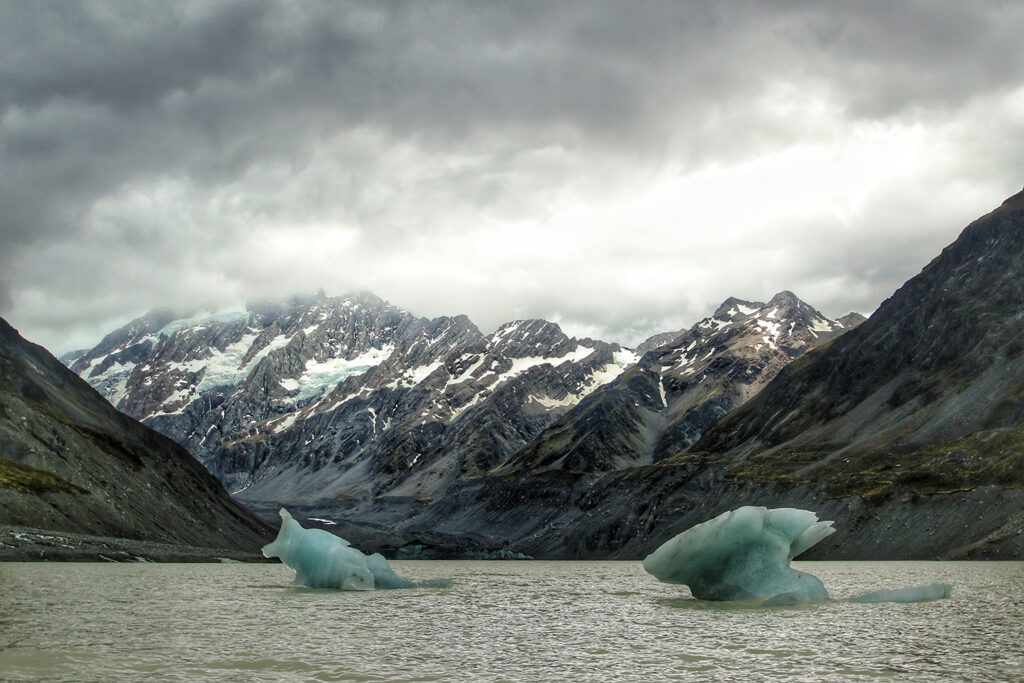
x,y
681,387
928,393
70,462
907,430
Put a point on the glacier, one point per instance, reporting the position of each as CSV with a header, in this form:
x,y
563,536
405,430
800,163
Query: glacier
x,y
322,560
744,554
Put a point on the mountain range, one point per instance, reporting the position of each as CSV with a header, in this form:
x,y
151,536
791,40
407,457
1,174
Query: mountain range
x,y
426,436
338,402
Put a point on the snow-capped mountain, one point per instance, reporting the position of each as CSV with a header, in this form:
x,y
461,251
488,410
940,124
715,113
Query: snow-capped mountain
x,y
347,396
684,383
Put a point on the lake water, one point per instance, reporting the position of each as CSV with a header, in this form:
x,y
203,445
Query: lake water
x,y
501,621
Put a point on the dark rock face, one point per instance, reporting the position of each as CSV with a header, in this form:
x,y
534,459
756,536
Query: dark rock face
x,y
70,462
681,387
941,360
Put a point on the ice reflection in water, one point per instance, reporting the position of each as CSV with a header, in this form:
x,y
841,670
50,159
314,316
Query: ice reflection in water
x,y
501,621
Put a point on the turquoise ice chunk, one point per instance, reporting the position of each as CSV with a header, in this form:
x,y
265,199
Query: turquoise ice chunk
x,y
322,560
928,591
744,554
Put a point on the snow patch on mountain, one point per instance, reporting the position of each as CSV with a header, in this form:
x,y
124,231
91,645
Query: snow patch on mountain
x,y
176,402
823,325
621,361
321,377
772,328
113,381
549,403
466,374
286,423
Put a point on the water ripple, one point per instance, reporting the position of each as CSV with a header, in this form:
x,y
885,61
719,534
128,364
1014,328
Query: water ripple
x,y
500,621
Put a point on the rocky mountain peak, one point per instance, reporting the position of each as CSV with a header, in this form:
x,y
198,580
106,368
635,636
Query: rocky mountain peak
x,y
530,338
679,388
270,398
349,382
128,335
938,359
786,299
785,304
732,307
851,320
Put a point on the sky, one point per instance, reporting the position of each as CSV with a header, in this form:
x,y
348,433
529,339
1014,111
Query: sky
x,y
618,167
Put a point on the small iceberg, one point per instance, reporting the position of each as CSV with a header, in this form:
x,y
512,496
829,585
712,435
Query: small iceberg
x,y
322,560
744,554
928,591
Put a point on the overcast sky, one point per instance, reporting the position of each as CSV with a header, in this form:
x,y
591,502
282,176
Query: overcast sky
x,y
619,167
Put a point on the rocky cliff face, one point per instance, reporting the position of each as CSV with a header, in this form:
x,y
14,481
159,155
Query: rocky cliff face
x,y
70,462
684,383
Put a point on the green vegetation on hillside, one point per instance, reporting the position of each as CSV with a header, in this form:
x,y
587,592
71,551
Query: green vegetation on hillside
x,y
984,458
25,479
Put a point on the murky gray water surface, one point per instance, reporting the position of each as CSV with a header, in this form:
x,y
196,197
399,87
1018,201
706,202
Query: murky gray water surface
x,y
501,621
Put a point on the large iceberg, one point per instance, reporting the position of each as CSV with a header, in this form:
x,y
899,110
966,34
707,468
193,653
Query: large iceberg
x,y
744,554
322,560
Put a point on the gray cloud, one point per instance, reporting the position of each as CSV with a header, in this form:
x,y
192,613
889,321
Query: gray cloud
x,y
494,159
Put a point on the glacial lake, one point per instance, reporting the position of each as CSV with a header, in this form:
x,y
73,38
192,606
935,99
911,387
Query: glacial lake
x,y
501,621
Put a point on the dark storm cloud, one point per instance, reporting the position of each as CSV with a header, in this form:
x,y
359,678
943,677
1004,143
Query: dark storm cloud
x,y
402,118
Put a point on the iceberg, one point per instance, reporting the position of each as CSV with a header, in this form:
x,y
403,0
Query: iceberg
x,y
928,591
744,554
322,560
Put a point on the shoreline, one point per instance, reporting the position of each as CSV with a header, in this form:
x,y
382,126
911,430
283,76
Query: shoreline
x,y
28,544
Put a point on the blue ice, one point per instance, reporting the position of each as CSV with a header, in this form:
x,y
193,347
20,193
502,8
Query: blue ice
x,y
928,591
322,560
744,554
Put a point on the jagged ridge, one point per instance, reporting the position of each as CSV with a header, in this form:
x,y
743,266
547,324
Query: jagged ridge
x,y
346,396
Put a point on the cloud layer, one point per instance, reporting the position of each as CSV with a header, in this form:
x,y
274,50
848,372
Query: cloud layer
x,y
619,167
